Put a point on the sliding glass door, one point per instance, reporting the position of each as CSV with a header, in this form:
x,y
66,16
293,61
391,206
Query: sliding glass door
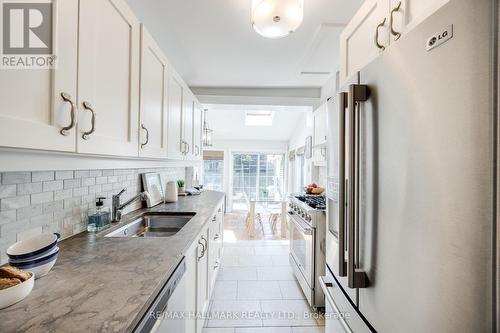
x,y
256,176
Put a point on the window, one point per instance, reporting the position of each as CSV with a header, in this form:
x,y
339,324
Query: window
x,y
257,176
213,170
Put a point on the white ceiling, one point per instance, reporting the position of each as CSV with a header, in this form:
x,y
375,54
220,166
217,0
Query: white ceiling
x,y
212,43
228,122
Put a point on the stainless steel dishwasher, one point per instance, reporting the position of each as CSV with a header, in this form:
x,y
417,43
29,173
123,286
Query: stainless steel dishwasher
x,y
170,302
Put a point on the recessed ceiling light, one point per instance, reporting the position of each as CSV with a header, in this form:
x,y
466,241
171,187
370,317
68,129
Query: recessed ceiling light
x,y
259,118
277,18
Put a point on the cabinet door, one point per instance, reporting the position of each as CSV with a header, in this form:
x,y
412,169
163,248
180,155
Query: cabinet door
x,y
197,132
175,146
320,125
153,101
202,296
357,40
108,78
411,13
319,155
191,284
32,110
187,124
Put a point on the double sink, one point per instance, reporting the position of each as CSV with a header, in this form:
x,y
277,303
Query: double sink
x,y
153,224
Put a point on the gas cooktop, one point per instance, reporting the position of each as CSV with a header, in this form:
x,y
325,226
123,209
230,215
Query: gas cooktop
x,y
313,201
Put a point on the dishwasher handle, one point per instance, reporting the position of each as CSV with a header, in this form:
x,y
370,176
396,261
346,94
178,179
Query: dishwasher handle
x,y
155,311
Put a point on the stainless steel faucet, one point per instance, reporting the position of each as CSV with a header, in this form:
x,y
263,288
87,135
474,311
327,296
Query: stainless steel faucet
x,y
116,208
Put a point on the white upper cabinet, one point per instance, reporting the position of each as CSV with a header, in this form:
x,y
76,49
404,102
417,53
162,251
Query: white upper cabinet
x,y
108,80
153,99
320,125
358,41
32,109
377,25
197,132
320,134
175,146
187,124
112,92
407,14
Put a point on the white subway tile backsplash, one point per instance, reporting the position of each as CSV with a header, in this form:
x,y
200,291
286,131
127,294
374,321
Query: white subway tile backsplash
x,y
82,173
72,183
88,181
78,192
16,178
42,176
15,202
29,188
64,194
55,185
27,212
7,191
29,233
61,175
95,173
108,172
50,207
42,197
58,201
8,216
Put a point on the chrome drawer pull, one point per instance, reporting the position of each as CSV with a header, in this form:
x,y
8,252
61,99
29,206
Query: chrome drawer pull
x,y
88,106
67,98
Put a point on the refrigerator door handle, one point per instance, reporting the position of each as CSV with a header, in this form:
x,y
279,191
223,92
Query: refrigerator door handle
x,y
342,104
356,278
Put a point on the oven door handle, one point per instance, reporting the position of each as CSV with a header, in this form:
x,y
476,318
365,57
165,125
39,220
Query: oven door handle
x,y
306,231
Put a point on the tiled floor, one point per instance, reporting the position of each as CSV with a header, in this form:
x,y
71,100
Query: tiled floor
x,y
256,291
235,227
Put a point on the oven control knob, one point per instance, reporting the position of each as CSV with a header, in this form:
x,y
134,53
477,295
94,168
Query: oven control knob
x,y
308,218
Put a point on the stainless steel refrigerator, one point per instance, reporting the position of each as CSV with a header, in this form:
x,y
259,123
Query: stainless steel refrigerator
x,y
411,182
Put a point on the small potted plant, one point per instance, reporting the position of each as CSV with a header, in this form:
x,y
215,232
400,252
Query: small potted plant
x,y
180,185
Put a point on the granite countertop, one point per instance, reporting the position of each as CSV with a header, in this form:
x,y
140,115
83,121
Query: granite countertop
x,y
103,284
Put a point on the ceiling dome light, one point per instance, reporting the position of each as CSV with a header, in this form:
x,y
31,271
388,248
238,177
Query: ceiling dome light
x,y
277,18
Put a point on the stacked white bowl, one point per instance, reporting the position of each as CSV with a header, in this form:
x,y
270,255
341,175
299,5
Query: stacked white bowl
x,y
36,254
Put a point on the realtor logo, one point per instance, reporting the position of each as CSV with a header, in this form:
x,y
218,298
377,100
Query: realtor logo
x,y
27,35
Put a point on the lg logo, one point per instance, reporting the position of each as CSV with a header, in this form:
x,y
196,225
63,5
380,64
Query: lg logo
x,y
27,28
439,38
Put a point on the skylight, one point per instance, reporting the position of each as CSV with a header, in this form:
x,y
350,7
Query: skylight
x,y
259,118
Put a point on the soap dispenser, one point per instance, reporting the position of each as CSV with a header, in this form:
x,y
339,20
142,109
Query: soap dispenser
x,y
99,217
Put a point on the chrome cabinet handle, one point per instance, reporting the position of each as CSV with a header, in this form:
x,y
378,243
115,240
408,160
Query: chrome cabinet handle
x,y
380,25
202,250
341,148
88,106
205,240
395,33
147,136
188,148
197,150
216,237
356,278
67,98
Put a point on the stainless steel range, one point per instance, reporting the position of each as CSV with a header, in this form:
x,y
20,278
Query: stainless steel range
x,y
307,244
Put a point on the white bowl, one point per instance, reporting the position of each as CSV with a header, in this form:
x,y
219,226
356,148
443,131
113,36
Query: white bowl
x,y
33,247
34,258
40,267
16,293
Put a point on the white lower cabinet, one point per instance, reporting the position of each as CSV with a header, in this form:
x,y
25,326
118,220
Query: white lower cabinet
x,y
202,260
